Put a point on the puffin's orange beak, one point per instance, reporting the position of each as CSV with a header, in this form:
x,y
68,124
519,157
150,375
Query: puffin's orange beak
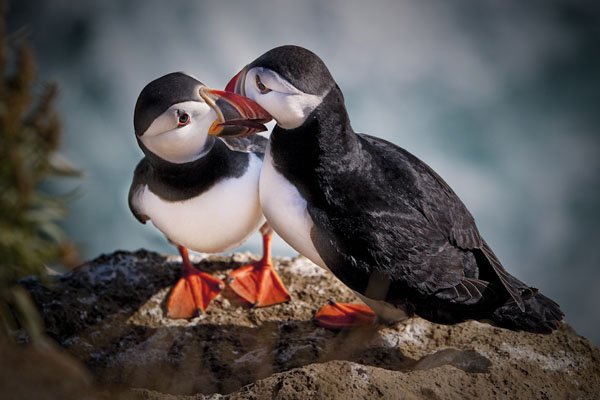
x,y
237,115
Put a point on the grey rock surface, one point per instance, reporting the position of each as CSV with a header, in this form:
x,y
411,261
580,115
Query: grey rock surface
x,y
109,315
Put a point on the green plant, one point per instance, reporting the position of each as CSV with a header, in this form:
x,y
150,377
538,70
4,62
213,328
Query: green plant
x,y
30,235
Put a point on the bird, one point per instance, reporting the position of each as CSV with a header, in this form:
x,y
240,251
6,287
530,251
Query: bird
x,y
380,219
199,190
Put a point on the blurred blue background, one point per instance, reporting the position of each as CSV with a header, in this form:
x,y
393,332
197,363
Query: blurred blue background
x,y
501,98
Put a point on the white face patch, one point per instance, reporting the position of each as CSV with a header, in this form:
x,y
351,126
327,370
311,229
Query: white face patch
x,y
180,144
289,106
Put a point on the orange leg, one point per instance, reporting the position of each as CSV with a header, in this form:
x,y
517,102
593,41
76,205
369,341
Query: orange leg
x,y
258,283
193,292
345,315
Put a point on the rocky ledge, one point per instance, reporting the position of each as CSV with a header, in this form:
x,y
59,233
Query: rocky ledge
x,y
109,315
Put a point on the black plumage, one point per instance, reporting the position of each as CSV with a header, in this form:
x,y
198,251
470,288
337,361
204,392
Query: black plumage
x,y
162,93
289,61
182,181
387,225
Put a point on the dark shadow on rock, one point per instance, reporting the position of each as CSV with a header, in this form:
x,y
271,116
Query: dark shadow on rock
x,y
90,310
208,358
110,287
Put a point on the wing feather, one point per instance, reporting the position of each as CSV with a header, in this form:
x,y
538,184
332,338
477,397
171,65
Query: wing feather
x,y
139,181
414,229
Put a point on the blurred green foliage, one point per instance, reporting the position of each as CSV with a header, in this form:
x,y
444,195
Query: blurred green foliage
x,y
30,236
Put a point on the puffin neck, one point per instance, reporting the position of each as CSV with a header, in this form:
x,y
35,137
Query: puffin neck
x,y
163,167
323,144
327,127
177,182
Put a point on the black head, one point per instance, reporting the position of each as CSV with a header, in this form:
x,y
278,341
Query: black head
x,y
162,93
290,82
299,66
176,113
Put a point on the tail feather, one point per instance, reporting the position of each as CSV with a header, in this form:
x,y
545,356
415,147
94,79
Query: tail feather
x,y
541,314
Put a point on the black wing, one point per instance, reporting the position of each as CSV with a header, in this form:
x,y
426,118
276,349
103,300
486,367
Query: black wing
x,y
140,178
401,220
251,144
456,220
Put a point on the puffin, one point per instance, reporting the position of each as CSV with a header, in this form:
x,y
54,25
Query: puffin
x,y
200,190
380,219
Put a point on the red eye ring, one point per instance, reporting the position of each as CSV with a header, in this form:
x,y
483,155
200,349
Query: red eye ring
x,y
183,119
261,86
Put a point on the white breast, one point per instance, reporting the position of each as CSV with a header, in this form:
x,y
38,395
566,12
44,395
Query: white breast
x,y
217,220
285,210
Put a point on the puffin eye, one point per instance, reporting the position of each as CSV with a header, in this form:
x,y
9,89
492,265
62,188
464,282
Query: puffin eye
x,y
184,119
261,86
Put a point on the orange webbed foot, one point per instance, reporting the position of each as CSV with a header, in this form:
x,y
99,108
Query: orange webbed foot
x,y
258,283
193,292
345,315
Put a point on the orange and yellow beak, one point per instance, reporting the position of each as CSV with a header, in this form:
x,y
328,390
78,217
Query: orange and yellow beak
x,y
237,115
